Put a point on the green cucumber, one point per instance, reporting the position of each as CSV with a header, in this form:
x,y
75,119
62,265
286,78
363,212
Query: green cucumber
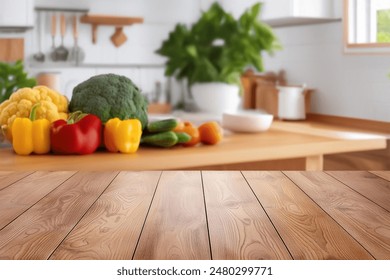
x,y
163,139
182,137
162,126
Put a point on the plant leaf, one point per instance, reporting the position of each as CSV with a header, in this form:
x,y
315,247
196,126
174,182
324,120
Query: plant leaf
x,y
13,77
192,53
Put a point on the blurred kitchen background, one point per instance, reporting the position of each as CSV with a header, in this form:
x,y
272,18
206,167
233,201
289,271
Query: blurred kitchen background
x,y
310,31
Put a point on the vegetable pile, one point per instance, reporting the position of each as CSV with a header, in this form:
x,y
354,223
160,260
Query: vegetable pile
x,y
171,132
105,111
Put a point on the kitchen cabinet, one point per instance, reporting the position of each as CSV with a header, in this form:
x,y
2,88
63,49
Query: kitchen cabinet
x,y
284,12
294,12
11,49
62,5
16,14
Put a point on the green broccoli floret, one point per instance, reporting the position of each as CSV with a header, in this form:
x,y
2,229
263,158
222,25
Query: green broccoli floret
x,y
108,96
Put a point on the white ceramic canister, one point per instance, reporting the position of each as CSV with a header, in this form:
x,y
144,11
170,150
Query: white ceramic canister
x,y
216,98
291,102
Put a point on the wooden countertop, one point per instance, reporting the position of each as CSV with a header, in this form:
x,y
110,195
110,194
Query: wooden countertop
x,y
195,215
283,141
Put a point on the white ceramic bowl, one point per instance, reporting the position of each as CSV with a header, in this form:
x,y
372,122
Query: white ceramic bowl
x,y
247,121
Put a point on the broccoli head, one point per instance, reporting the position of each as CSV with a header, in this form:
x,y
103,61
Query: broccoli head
x,y
108,96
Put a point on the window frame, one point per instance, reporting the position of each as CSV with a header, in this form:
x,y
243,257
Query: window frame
x,y
368,47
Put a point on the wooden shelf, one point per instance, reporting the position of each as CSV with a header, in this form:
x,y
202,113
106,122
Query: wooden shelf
x,y
118,38
110,20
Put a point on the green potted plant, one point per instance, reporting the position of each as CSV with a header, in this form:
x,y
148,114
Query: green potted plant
x,y
214,52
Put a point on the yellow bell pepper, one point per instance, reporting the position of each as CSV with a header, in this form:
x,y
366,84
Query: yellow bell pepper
x,y
30,135
123,136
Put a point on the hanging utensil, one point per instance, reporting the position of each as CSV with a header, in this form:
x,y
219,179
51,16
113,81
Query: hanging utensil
x,y
53,37
62,52
40,56
76,54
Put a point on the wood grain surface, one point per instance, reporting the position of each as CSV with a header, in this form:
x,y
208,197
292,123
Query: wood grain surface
x,y
8,177
383,174
23,194
39,231
374,188
194,215
364,220
307,230
239,227
176,225
111,228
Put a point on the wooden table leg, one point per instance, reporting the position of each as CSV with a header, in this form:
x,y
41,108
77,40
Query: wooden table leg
x,y
315,163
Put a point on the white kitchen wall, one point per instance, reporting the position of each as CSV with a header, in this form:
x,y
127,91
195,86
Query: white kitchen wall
x,y
135,59
346,85
143,39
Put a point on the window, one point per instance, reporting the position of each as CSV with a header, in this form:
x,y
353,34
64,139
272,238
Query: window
x,y
367,24
383,26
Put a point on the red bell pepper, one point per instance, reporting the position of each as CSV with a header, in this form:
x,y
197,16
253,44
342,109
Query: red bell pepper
x,y
81,134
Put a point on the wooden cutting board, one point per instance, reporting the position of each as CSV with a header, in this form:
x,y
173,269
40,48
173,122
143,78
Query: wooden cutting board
x,y
11,49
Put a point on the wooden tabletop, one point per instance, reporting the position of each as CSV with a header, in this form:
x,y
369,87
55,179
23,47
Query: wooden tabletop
x,y
283,141
195,215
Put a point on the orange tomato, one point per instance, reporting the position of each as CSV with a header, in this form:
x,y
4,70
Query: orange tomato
x,y
179,127
210,133
191,130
